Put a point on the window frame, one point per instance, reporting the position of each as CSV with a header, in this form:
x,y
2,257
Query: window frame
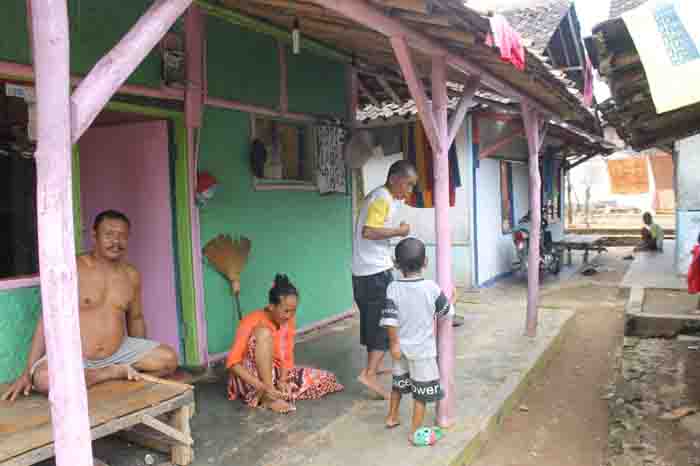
x,y
266,184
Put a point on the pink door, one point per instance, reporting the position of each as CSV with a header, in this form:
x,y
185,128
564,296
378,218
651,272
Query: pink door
x,y
126,167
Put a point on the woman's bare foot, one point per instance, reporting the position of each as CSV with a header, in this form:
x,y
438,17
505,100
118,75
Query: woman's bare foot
x,y
372,384
391,422
277,406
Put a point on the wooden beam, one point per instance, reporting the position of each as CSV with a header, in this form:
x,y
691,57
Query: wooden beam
x,y
112,70
351,90
425,113
532,119
182,437
436,20
465,102
361,87
462,37
387,88
515,133
416,6
59,273
282,55
194,52
370,16
182,455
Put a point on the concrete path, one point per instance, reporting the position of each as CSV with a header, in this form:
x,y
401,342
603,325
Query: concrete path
x,y
494,363
654,270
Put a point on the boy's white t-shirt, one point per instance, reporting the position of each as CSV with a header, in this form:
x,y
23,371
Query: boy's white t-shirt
x,y
378,210
412,305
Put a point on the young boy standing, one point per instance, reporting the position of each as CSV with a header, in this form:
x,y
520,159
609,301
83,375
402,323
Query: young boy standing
x,y
412,305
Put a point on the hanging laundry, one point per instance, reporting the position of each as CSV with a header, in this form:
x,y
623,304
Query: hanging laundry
x,y
507,40
628,175
588,83
419,152
331,164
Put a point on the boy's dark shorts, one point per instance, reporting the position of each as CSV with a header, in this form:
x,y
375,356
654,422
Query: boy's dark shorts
x,y
370,295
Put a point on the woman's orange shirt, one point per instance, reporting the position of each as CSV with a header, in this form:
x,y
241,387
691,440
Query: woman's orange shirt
x,y
283,338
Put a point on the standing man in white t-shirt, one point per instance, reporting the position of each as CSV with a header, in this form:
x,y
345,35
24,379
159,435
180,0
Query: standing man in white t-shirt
x,y
372,263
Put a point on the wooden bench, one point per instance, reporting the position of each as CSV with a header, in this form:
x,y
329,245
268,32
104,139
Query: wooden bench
x,y
585,243
26,437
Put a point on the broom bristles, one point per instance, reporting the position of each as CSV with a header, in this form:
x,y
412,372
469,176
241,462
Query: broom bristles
x,y
228,256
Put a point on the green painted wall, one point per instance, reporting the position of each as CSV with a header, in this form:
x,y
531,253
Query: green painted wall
x,y
14,39
95,27
241,65
299,233
316,85
19,310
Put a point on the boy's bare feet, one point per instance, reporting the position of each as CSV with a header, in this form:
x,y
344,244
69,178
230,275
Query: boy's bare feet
x,y
372,384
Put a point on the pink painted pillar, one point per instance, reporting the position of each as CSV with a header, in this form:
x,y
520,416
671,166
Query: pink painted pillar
x,y
59,283
113,69
446,345
531,119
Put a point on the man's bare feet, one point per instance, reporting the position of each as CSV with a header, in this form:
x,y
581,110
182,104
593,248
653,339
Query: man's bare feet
x,y
114,372
278,406
392,422
372,384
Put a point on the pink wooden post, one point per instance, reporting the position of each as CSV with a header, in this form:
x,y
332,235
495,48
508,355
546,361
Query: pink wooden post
x,y
446,344
113,69
531,119
425,113
440,135
194,53
59,283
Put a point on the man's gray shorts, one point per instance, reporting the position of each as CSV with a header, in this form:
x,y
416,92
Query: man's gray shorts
x,y
131,351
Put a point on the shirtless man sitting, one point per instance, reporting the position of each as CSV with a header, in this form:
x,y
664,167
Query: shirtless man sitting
x,y
112,325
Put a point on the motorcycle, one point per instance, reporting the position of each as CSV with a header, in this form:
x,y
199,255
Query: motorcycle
x,y
550,257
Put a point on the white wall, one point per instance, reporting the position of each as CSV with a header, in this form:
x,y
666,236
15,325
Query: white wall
x,y
422,221
495,249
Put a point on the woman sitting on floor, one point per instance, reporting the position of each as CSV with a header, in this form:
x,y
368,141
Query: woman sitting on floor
x,y
261,360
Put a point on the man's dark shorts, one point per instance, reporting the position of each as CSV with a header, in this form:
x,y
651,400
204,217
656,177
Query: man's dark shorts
x,y
370,296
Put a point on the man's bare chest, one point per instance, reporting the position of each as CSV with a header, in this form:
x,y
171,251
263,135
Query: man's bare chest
x,y
112,291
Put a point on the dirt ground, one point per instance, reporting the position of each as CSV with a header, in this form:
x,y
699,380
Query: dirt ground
x,y
562,419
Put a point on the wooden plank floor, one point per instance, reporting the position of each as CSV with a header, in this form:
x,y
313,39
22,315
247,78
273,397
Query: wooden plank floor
x,y
26,424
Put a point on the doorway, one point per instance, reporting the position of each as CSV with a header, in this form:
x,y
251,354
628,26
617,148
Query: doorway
x,y
125,165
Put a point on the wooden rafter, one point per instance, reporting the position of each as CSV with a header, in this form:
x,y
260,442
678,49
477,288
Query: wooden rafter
x,y
513,132
387,88
361,87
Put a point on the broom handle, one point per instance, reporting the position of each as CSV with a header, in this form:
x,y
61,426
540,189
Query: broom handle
x,y
238,306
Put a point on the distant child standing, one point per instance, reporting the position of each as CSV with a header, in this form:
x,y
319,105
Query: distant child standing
x,y
694,272
412,305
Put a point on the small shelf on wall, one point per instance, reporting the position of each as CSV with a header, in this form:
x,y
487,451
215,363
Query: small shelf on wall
x,y
266,184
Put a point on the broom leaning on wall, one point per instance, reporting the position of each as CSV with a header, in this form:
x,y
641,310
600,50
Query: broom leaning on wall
x,y
229,257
